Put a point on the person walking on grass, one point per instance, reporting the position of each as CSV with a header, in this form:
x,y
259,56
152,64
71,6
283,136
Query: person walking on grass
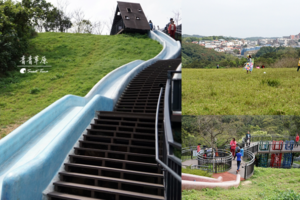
x,y
298,65
236,150
297,140
232,146
238,160
217,66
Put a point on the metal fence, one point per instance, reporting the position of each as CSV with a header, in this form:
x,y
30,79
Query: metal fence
x,y
258,138
167,147
249,159
219,161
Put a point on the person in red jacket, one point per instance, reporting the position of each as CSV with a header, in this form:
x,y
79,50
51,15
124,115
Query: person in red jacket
x,y
172,29
297,139
232,147
198,148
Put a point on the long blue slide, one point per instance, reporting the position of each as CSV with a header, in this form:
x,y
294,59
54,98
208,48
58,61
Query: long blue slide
x,y
31,155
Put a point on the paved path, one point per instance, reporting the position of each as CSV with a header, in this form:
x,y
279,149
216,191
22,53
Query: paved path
x,y
234,168
190,162
226,176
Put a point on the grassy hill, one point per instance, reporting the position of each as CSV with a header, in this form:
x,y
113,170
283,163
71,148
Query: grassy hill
x,y
233,92
78,62
266,184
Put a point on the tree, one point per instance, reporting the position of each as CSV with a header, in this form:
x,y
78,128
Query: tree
x,y
177,17
236,51
15,30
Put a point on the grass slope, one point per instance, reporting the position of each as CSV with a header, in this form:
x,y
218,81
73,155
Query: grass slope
x,y
78,62
266,183
233,92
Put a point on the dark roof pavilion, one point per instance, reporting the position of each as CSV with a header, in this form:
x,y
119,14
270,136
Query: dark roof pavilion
x,y
129,17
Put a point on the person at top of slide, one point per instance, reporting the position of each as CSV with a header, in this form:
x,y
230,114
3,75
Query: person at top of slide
x,y
172,29
232,146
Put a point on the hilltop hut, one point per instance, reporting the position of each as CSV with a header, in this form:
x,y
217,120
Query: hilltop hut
x,y
129,17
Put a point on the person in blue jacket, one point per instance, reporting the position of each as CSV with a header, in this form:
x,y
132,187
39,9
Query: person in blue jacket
x,y
242,151
151,25
238,160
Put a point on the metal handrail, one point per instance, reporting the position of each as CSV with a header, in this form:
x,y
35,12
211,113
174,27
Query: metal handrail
x,y
156,142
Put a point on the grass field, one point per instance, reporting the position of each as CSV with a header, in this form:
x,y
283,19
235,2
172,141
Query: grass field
x,y
234,92
78,62
266,183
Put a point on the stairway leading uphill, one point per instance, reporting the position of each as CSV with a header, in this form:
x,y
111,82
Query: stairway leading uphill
x,y
116,158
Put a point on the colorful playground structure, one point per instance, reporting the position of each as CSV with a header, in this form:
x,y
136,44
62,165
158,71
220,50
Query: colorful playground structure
x,y
281,154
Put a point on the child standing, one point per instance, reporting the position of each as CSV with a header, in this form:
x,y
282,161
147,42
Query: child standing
x,y
238,160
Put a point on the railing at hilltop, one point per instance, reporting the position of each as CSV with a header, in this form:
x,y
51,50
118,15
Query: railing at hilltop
x,y
258,138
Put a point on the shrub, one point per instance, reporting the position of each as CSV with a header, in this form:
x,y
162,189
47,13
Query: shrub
x,y
271,82
34,90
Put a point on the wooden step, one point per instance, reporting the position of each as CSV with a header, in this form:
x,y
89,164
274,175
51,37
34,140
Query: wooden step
x,y
114,169
69,196
113,160
116,152
105,178
109,190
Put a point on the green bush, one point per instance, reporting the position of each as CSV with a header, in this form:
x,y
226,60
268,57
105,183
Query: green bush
x,y
271,82
286,195
34,90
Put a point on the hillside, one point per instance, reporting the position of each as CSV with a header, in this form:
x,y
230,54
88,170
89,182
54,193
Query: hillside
x,y
234,92
78,62
196,56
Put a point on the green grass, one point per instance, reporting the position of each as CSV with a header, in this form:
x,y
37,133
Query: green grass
x,y
78,62
233,92
198,172
266,183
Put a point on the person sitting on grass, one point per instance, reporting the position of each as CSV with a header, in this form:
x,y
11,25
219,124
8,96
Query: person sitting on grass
x,y
238,160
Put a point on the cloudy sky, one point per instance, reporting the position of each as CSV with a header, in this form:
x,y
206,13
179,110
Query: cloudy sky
x,y
241,18
158,11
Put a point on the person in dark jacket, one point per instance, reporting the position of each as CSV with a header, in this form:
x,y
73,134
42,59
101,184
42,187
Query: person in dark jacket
x,y
248,139
151,25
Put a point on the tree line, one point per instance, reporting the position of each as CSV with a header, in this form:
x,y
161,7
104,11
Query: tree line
x,y
217,131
